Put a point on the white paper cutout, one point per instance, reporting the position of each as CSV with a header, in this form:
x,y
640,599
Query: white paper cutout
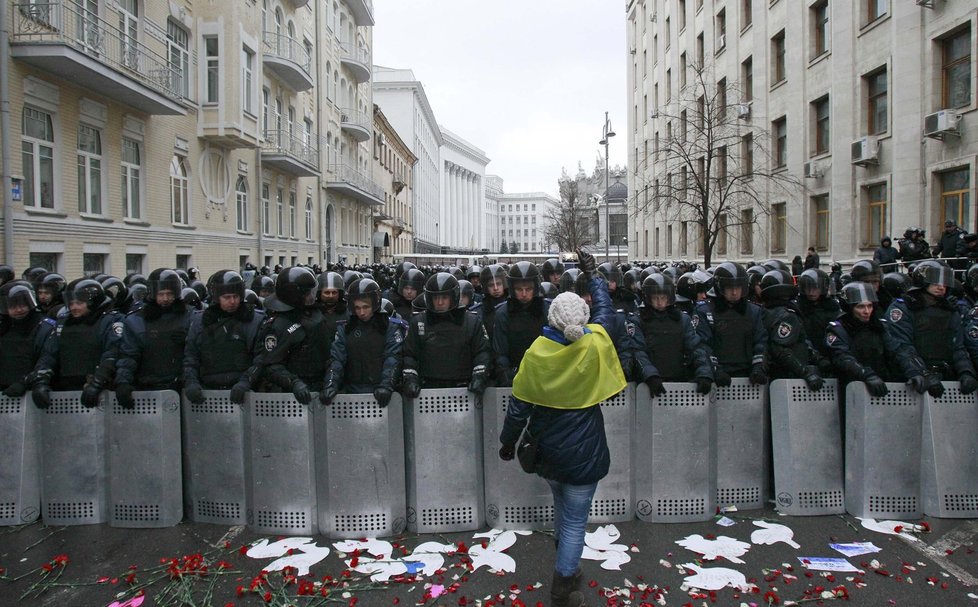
x,y
611,560
827,564
727,547
381,570
856,548
889,527
772,533
715,578
600,546
305,553
263,550
378,548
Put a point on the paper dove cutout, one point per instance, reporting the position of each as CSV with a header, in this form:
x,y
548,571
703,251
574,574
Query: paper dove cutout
x,y
493,533
889,527
434,548
600,546
381,570
305,553
772,533
378,548
263,550
715,578
727,547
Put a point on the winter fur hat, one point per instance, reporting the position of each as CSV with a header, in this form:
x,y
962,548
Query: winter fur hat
x,y
568,314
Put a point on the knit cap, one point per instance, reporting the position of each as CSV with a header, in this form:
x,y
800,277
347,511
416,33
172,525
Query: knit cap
x,y
568,314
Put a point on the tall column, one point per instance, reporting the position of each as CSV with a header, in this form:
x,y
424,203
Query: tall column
x,y
455,217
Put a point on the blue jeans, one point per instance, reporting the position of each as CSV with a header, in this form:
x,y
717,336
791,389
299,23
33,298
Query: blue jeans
x,y
572,503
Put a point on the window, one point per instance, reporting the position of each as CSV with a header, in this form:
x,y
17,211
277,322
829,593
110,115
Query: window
x,y
721,97
681,14
721,160
280,210
89,170
668,85
820,111
720,27
684,238
956,69
820,26
747,232
779,227
875,9
93,264
721,241
135,263
293,211
683,125
956,197
820,207
131,167
777,58
875,214
668,34
179,191
747,78
184,261
308,218
129,32
265,96
780,130
247,81
178,52
682,70
241,200
266,212
876,114
747,154
669,240
48,261
212,63
37,155
746,13
700,46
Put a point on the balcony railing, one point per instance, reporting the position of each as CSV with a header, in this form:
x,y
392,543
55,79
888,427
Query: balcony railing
x,y
286,55
345,174
65,23
283,143
357,60
356,123
363,11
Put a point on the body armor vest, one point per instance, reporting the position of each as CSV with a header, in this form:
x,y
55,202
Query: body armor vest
x,y
17,350
223,353
446,359
867,346
930,335
733,338
663,336
308,359
78,354
524,328
365,354
161,365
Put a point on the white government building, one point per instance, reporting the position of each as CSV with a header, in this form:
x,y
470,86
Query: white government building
x,y
869,104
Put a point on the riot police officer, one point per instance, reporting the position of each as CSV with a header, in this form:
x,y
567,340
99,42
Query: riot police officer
x,y
151,353
23,331
291,351
926,330
366,354
50,294
690,288
518,321
671,343
816,306
332,303
221,340
731,328
552,270
409,287
857,342
446,346
82,353
790,353
6,274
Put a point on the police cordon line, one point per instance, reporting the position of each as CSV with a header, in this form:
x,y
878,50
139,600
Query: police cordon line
x,y
122,351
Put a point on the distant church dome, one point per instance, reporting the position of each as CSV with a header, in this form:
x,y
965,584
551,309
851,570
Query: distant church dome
x,y
618,191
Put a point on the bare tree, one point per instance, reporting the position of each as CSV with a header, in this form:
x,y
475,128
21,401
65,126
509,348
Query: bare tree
x,y
570,224
712,164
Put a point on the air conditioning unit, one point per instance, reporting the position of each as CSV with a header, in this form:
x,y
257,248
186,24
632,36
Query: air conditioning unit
x,y
721,41
653,17
812,171
939,124
866,151
743,111
632,50
926,3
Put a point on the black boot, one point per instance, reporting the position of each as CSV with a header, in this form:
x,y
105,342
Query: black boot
x,y
564,592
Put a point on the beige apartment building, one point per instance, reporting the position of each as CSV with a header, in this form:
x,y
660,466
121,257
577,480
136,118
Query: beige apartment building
x,y
393,168
144,133
868,105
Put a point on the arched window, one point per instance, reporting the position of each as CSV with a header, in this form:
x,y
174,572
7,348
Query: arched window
x,y
179,191
308,217
292,214
241,197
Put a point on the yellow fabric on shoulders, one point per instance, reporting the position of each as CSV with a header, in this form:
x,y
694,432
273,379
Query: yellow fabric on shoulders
x,y
578,375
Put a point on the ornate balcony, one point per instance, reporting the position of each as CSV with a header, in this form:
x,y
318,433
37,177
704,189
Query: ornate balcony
x,y
78,46
356,124
363,11
357,60
345,179
289,60
290,154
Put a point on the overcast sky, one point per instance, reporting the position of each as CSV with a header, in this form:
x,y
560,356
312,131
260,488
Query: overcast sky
x,y
526,81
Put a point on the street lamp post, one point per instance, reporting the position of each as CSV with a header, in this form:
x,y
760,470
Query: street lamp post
x,y
607,134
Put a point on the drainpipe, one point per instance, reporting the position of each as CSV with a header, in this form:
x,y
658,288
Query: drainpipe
x,y
8,195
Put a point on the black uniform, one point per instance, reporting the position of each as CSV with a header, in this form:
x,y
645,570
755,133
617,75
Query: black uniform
x,y
367,355
83,347
672,346
220,346
816,316
151,352
734,337
790,353
860,350
516,326
928,336
445,350
292,346
21,345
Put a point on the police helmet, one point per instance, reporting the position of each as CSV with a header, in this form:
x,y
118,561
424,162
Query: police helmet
x,y
729,275
53,283
225,282
117,290
32,275
164,279
971,277
441,283
775,264
474,271
6,274
552,266
266,285
866,270
87,291
492,272
574,281
648,271
387,307
690,285
931,272
135,278
673,272
16,293
331,280
778,285
363,288
523,271
466,290
856,292
200,288
412,277
549,290
814,278
401,268
294,288
191,298
660,284
610,272
456,272
183,276
896,283
632,279
251,298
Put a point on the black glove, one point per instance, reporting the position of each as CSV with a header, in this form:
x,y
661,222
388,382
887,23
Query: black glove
x,y
585,262
477,385
330,390
968,383
89,395
722,378
15,390
195,393
704,385
757,374
383,396
918,383
239,390
824,367
41,395
301,391
934,386
410,386
123,395
655,386
507,452
876,386
812,378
